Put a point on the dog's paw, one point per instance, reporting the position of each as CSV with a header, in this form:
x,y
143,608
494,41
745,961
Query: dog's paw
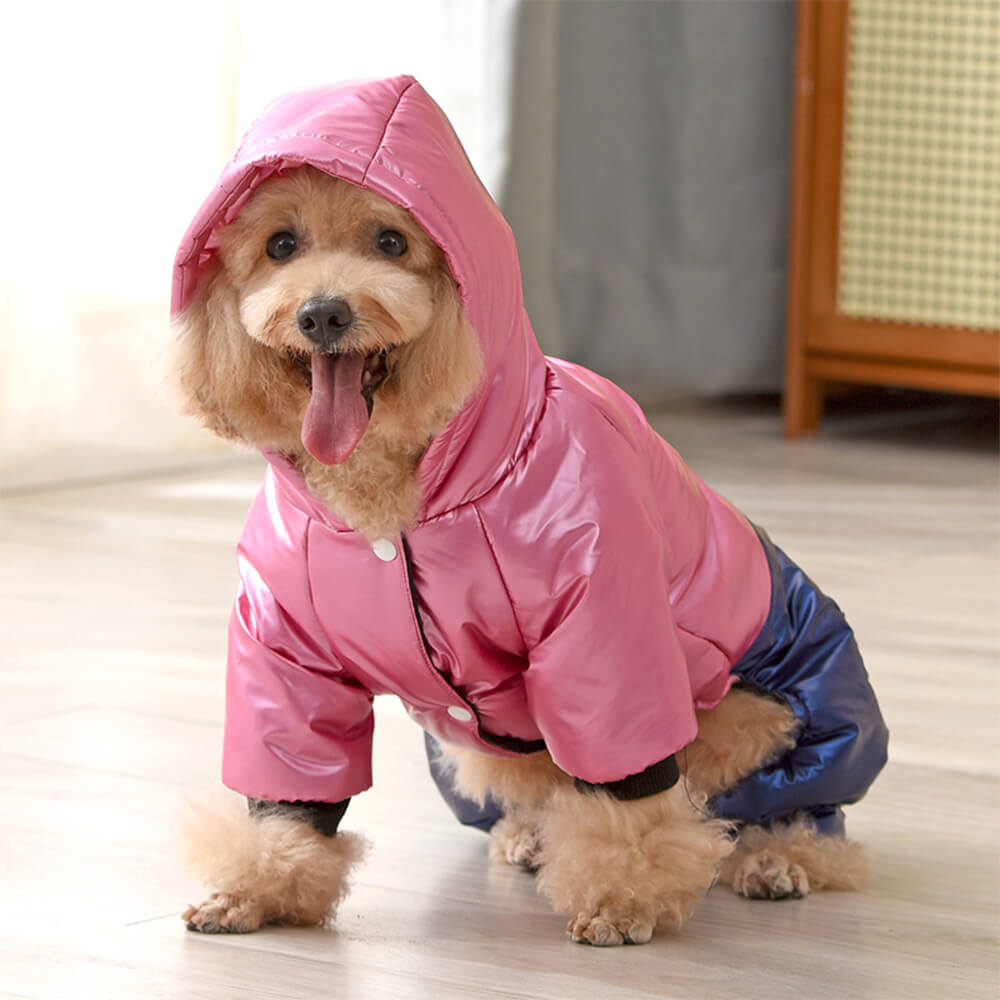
x,y
625,868
515,842
223,913
607,929
768,875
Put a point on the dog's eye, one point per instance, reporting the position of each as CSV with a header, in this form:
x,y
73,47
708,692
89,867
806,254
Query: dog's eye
x,y
392,243
282,245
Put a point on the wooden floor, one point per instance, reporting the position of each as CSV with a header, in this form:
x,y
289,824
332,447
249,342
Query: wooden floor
x,y
113,602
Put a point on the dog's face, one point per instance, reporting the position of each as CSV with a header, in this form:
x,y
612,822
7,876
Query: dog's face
x,y
330,309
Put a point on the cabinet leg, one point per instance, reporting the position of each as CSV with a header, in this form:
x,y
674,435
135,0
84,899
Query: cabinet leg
x,y
803,406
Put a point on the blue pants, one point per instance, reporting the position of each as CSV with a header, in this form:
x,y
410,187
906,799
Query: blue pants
x,y
806,655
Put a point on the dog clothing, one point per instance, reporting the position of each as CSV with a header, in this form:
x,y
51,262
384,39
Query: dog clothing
x,y
569,583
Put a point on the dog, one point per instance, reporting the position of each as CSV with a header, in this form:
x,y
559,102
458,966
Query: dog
x,y
446,514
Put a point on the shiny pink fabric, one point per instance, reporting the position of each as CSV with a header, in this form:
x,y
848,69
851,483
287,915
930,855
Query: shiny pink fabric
x,y
575,581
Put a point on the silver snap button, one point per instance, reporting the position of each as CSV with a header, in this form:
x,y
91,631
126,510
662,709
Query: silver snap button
x,y
459,713
384,549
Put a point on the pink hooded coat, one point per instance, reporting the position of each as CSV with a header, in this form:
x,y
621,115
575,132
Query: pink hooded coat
x,y
569,579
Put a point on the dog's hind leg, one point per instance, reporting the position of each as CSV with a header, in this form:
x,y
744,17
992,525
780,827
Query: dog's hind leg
x,y
521,785
792,860
516,839
744,731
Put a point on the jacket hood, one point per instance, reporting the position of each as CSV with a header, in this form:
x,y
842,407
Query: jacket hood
x,y
390,137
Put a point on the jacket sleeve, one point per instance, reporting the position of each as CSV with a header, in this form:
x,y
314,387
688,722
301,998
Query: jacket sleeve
x,y
298,728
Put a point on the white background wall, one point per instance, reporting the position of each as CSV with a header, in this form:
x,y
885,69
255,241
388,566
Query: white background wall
x,y
117,119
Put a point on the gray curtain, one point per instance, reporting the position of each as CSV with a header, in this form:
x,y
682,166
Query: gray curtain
x,y
647,185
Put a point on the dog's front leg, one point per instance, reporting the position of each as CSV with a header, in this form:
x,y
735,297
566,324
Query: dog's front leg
x,y
621,869
276,863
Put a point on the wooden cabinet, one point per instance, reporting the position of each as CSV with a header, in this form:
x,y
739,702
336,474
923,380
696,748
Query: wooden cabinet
x,y
894,256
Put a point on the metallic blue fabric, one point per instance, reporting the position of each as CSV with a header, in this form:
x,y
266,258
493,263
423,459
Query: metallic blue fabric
x,y
805,655
469,813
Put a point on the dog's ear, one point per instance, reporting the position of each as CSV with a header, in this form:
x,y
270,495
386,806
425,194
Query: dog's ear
x,y
205,335
234,384
447,360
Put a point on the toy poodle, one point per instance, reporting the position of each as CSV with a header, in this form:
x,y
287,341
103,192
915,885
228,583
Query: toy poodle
x,y
621,678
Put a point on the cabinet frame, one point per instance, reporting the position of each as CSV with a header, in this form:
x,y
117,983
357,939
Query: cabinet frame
x,y
822,345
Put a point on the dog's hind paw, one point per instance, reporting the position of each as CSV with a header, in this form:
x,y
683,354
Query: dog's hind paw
x,y
515,842
224,914
768,875
607,930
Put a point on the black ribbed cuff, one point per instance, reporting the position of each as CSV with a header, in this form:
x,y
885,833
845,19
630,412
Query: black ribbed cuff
x,y
656,778
323,817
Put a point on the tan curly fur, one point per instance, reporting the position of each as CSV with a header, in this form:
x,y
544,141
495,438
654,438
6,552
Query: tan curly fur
x,y
266,870
765,862
516,838
744,731
231,362
621,869
523,785
515,782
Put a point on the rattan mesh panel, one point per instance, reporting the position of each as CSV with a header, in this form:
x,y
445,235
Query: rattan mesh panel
x,y
920,222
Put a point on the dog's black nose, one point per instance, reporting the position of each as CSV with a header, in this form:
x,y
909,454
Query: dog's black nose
x,y
323,320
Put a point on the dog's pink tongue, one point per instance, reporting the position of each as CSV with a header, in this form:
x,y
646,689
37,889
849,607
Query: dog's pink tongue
x,y
337,415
